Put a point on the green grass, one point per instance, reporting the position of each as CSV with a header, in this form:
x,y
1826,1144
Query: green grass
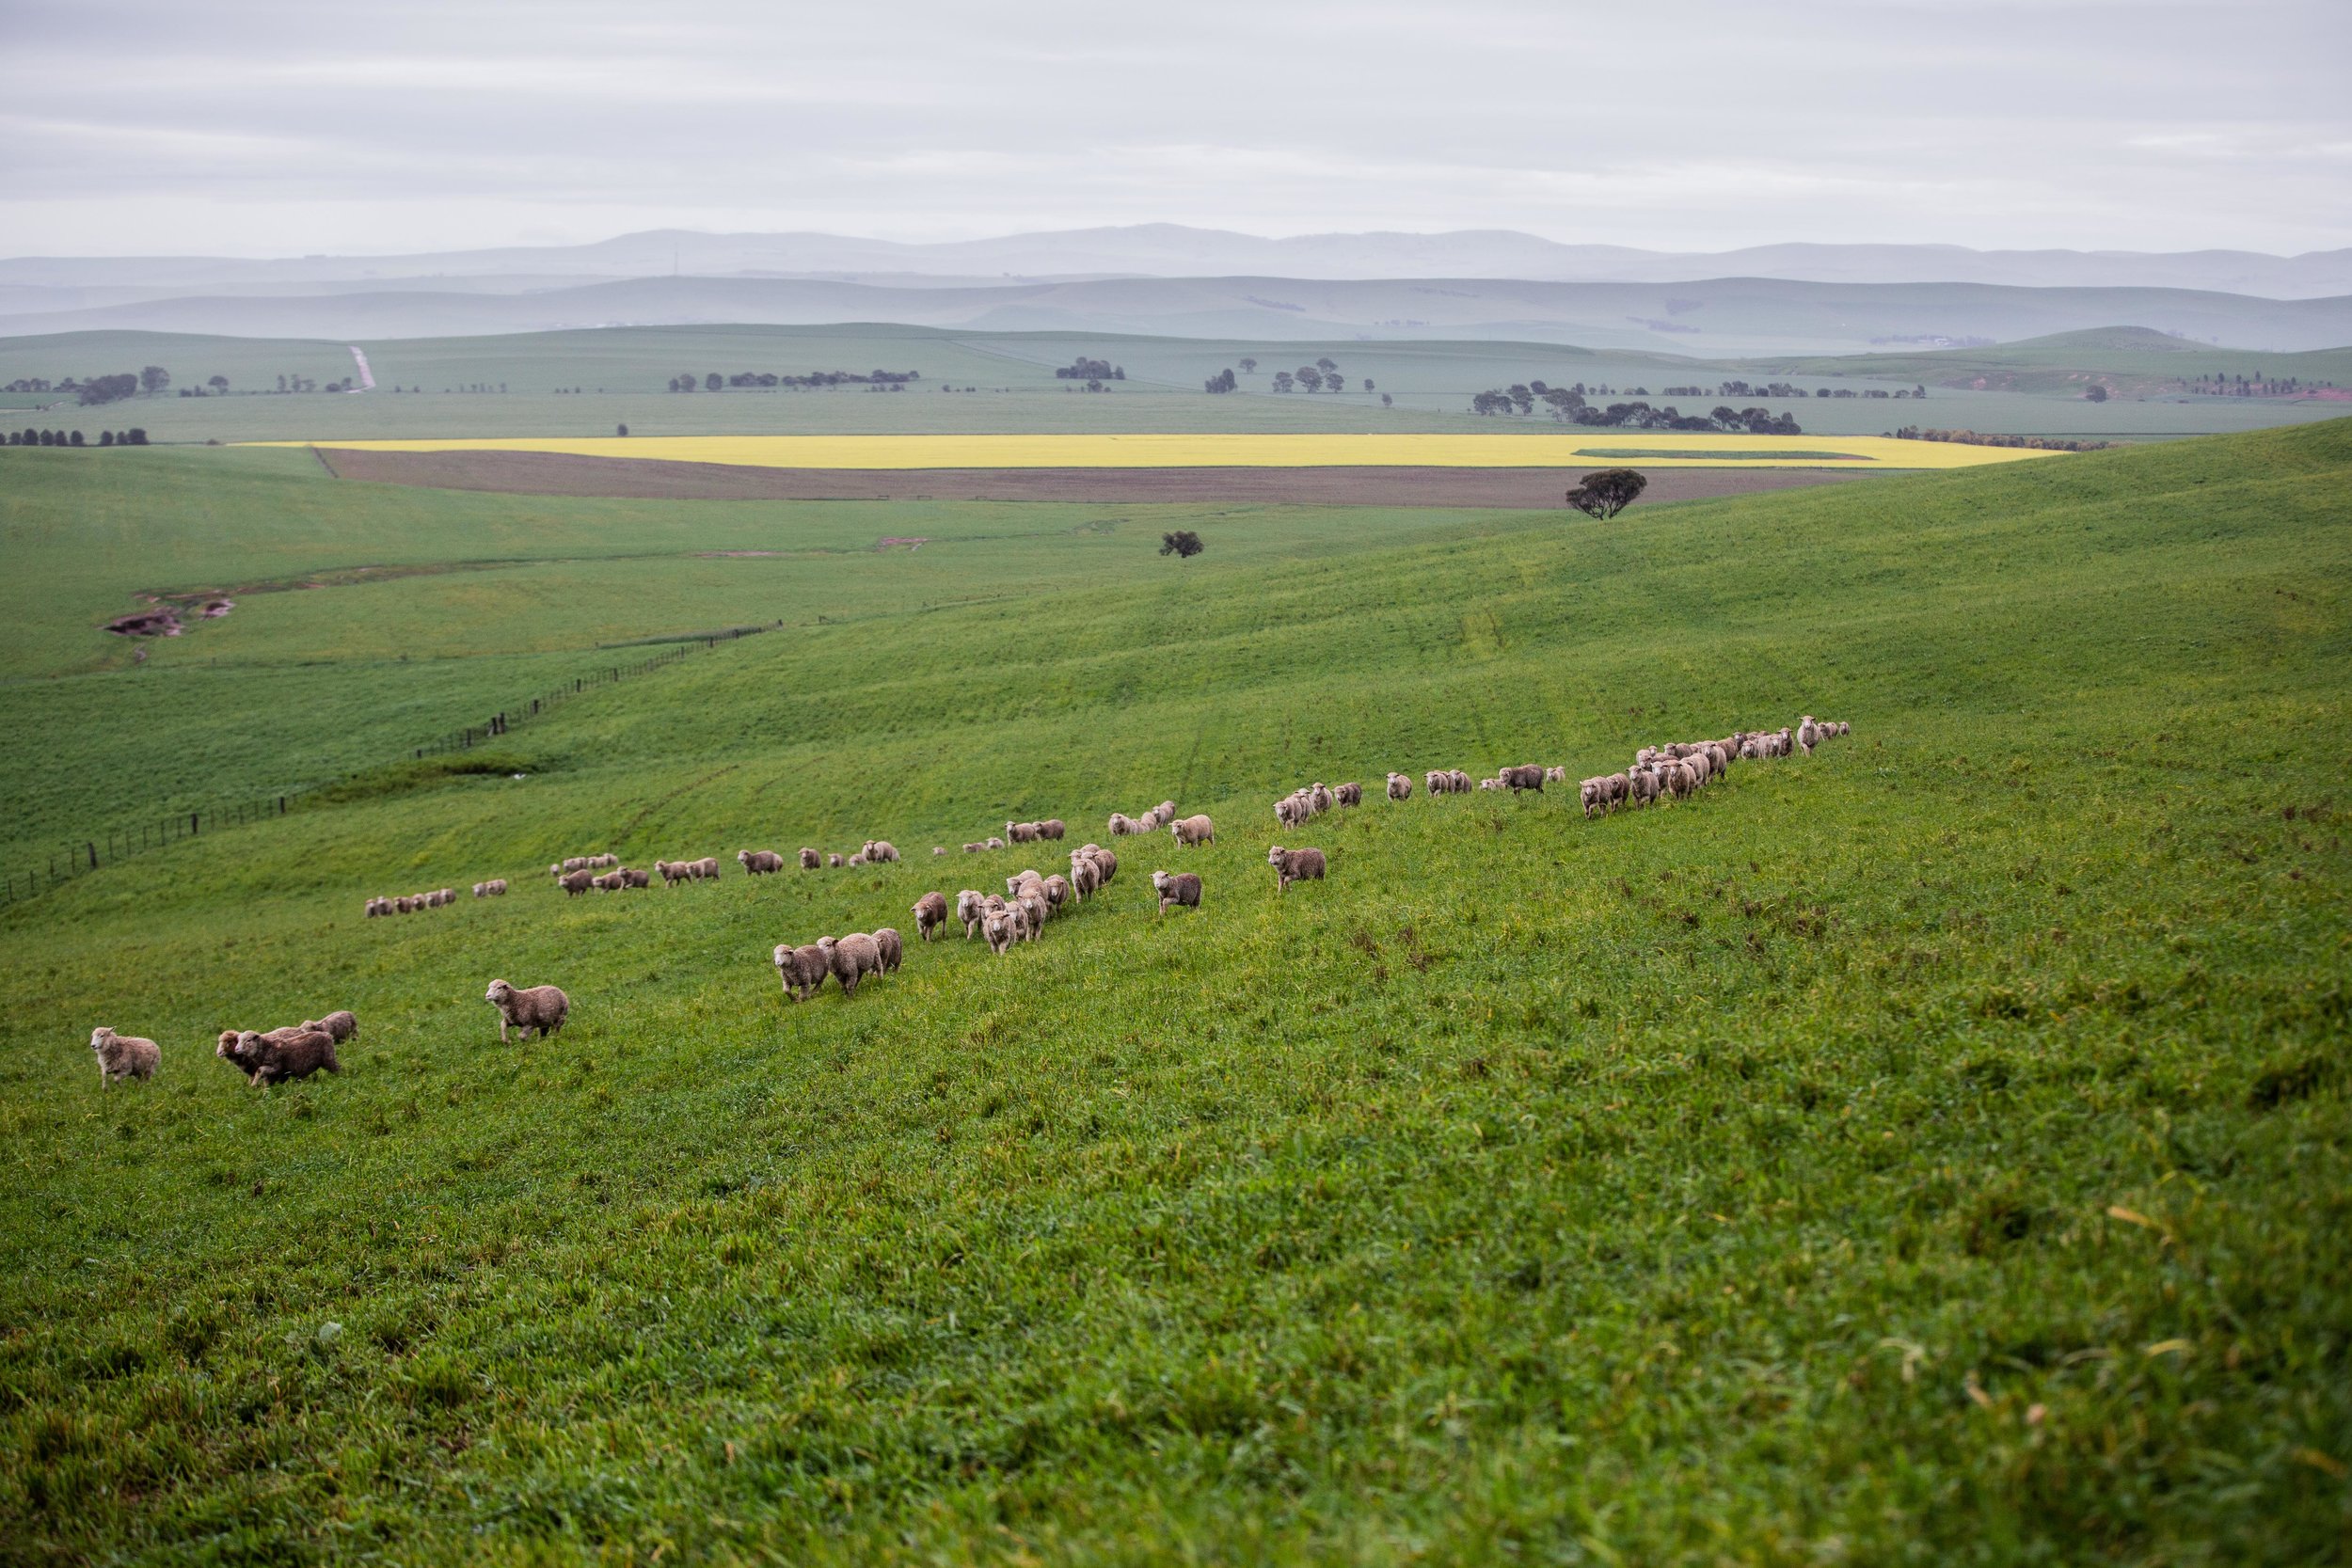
x,y
1934,1150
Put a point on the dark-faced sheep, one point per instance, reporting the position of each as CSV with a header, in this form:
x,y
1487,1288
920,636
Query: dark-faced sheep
x,y
540,1008
810,860
1179,891
892,948
1399,786
802,969
122,1056
851,959
759,862
378,907
930,913
284,1054
1192,832
1293,865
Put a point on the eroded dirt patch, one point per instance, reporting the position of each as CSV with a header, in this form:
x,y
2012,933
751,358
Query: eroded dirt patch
x,y
539,473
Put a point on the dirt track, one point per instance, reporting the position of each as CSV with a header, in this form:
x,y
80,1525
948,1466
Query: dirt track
x,y
558,474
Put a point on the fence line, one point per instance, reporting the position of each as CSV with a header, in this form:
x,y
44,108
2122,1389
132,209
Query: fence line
x,y
82,856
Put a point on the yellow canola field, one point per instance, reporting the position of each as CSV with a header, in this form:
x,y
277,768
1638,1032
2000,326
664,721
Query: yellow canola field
x,y
1402,450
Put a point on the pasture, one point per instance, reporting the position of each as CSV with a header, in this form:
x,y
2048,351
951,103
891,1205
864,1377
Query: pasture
x,y
1932,1150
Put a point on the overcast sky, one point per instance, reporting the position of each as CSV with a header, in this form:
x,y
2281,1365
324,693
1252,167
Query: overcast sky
x,y
190,126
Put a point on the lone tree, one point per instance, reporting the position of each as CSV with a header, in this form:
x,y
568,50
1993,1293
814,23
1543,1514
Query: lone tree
x,y
1250,367
1183,544
1607,492
620,430
2095,393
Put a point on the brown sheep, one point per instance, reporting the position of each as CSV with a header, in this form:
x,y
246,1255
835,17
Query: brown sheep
x,y
930,913
802,970
706,869
540,1008
759,862
883,851
284,1054
893,949
1001,925
834,861
340,1024
850,958
1460,781
1034,909
1023,832
1293,865
1291,811
1181,891
1051,828
1399,786
1438,781
1059,892
810,860
970,905
574,883
634,877
1166,811
378,907
1105,863
970,848
1193,831
611,881
1348,795
122,1056
1524,776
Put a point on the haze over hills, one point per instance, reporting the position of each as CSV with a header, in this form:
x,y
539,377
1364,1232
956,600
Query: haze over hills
x,y
1174,250
1705,318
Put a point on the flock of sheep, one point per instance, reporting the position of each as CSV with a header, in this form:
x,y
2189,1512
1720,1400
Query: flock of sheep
x,y
1659,773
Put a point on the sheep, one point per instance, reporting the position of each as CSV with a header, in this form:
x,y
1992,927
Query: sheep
x,y
706,869
992,842
122,1056
850,958
971,848
1051,828
1085,881
1166,811
938,848
341,1023
540,1008
378,907
893,949
611,881
1181,891
281,1055
857,859
671,872
882,849
802,970
1641,787
1290,811
1193,831
1555,775
930,913
1059,892
1399,786
1319,799
1438,780
493,888
1105,863
632,876
476,889
1031,899
577,882
1808,734
1121,825
833,861
810,860
1348,794
571,863
1293,865
1013,884
970,904
1461,780
758,863
1490,783
1000,924
1527,775
1023,832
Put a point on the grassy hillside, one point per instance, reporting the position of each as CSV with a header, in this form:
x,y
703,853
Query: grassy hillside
x,y
2128,362
1935,1149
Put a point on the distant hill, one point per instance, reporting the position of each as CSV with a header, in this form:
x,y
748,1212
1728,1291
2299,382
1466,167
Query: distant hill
x,y
1173,250
1733,317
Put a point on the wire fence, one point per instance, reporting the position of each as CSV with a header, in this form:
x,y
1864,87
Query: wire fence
x,y
84,855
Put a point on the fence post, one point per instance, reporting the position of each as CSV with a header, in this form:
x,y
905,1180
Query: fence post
x,y
93,856
282,805
196,824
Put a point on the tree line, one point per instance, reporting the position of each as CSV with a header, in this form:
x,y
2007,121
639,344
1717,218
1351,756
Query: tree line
x,y
715,381
134,437
1569,405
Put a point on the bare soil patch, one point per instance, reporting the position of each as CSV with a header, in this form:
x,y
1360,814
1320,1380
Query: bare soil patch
x,y
564,474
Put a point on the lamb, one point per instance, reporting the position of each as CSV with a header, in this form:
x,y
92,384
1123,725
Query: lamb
x,y
802,969
1193,831
850,958
892,948
540,1008
1399,786
1166,811
1000,924
1461,780
971,848
1495,783
1555,775
574,883
759,862
1293,865
992,842
834,861
611,881
1523,776
1181,891
938,848
881,849
857,858
341,1023
969,905
122,1056
281,1055
1349,794
930,913
810,860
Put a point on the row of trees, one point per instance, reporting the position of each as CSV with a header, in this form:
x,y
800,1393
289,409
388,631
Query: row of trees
x,y
1083,369
1570,407
2221,385
716,381
134,437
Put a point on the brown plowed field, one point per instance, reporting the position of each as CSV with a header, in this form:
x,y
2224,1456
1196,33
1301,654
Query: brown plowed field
x,y
534,473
